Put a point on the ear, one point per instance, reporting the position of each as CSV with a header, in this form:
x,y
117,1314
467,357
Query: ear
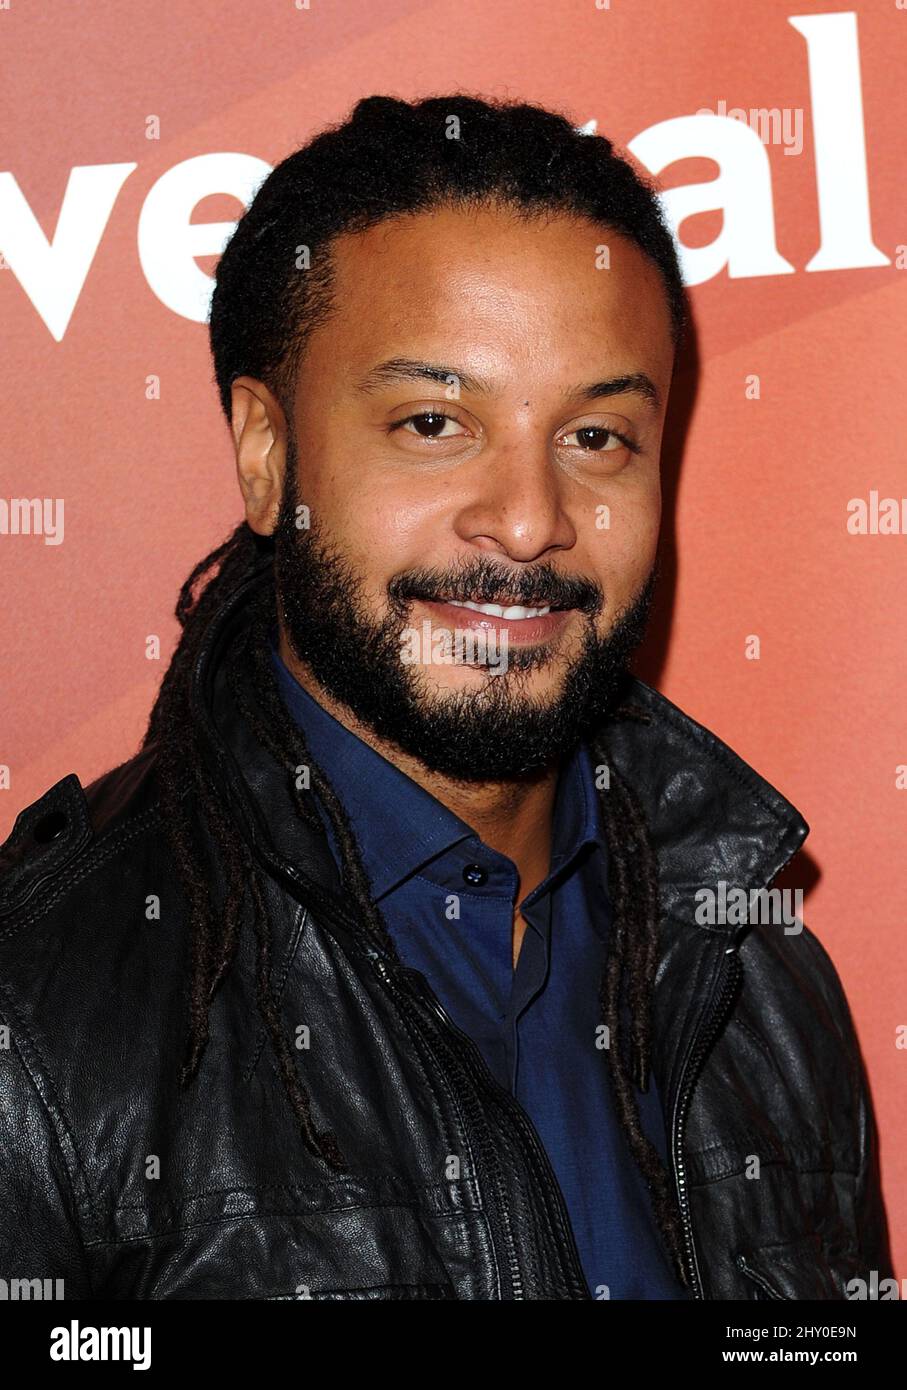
x,y
259,429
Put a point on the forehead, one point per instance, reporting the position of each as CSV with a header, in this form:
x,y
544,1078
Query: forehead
x,y
522,298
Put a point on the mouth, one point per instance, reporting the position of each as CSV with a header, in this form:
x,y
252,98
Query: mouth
x,y
521,622
512,612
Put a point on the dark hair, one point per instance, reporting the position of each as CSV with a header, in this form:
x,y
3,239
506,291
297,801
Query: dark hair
x,y
390,157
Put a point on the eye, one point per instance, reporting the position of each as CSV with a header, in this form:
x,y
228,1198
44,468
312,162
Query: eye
x,y
600,439
429,424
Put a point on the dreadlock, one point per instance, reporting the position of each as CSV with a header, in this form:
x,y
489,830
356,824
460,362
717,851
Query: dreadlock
x,y
629,967
390,158
629,974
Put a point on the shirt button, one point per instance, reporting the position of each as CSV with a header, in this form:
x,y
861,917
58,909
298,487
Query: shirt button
x,y
475,875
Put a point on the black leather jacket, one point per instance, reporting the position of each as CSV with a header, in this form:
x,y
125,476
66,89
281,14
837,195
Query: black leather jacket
x,y
118,1182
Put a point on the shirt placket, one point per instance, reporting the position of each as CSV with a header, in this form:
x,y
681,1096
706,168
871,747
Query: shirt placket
x,y
529,976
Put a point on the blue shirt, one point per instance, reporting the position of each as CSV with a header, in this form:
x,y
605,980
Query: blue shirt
x,y
448,900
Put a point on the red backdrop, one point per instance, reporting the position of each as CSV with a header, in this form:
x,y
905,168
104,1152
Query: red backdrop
x,y
788,411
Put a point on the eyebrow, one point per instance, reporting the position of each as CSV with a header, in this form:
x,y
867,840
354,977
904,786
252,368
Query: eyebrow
x,y
411,369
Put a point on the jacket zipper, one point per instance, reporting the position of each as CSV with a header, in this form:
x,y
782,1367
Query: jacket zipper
x,y
764,1289
707,1029
471,1057
473,1060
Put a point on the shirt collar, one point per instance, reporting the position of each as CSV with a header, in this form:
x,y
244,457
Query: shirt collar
x,y
400,827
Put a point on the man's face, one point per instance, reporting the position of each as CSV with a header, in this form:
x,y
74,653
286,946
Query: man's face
x,y
513,486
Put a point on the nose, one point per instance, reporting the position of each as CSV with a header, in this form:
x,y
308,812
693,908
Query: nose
x,y
515,505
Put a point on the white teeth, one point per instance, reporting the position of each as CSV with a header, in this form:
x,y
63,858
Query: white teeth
x,y
494,610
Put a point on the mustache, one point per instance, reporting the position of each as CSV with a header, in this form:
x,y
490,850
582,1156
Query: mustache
x,y
483,581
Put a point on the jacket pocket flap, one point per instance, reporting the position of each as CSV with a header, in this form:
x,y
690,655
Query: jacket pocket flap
x,y
794,1269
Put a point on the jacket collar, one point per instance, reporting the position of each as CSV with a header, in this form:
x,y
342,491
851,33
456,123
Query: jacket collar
x,y
711,817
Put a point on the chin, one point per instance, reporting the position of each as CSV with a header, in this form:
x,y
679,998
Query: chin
x,y
536,683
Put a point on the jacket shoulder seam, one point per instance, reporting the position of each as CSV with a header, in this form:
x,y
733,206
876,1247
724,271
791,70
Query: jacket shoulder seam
x,y
94,856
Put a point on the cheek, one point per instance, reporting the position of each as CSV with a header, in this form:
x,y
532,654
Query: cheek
x,y
623,553
642,539
380,533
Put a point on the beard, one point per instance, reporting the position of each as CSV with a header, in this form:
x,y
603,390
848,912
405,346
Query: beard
x,y
496,731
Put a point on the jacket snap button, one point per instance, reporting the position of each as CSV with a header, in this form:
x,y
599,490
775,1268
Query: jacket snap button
x,y
50,826
475,875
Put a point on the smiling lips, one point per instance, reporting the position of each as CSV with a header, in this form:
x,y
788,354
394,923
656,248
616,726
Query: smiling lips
x,y
496,611
520,622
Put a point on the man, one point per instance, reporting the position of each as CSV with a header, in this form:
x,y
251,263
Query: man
x,y
400,796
